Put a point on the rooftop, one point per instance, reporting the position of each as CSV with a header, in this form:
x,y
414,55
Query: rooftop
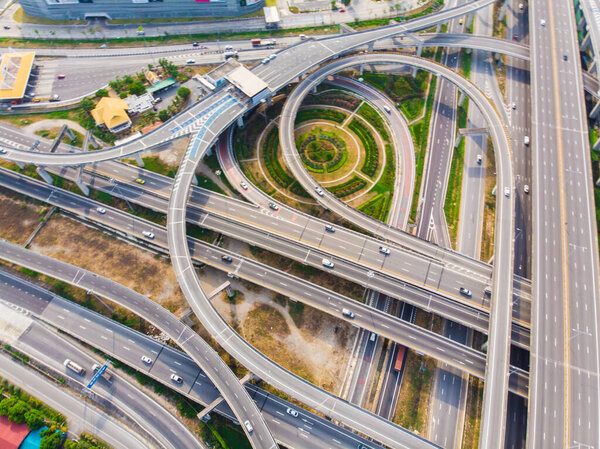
x,y
246,81
11,434
15,69
160,85
111,112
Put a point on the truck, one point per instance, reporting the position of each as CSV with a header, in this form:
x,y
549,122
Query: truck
x,y
54,97
256,42
74,367
260,43
230,54
106,375
399,358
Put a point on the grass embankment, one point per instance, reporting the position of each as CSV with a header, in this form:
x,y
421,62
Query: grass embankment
x,y
473,414
337,97
407,92
324,114
53,133
453,193
420,134
21,16
489,209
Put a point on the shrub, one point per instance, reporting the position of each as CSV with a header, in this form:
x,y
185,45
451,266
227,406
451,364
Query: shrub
x,y
184,92
101,93
369,168
269,155
34,419
325,114
17,412
163,115
349,187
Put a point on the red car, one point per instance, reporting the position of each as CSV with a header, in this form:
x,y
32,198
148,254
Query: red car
x,y
515,37
61,76
342,10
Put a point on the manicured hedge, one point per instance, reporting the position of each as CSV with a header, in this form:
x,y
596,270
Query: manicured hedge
x,y
269,155
377,207
375,119
369,168
349,187
325,114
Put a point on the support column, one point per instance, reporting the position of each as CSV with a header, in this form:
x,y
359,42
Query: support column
x,y
457,140
586,42
70,134
419,52
139,160
269,101
240,121
595,110
361,69
461,98
314,90
85,189
45,175
470,20
371,46
503,10
21,165
592,68
195,179
596,146
581,23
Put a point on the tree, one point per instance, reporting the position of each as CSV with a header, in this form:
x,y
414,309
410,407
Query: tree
x,y
34,419
17,412
128,79
87,105
183,92
101,93
123,95
6,404
137,88
163,115
150,67
51,441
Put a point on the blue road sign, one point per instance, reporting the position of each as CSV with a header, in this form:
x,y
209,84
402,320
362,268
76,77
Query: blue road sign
x,y
97,375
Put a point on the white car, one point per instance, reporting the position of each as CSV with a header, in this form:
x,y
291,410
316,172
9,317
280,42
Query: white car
x,y
265,61
147,360
521,6
466,292
526,188
507,192
329,228
292,412
148,234
514,106
248,426
190,61
319,191
543,22
101,210
176,378
327,263
384,250
244,185
479,159
273,56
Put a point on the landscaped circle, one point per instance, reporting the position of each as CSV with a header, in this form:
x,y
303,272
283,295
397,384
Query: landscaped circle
x,y
322,150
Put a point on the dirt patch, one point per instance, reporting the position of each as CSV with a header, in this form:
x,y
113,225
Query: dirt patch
x,y
74,243
473,414
18,217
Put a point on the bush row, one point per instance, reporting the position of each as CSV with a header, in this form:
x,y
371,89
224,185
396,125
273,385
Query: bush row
x,y
349,187
377,207
271,162
374,118
369,168
325,114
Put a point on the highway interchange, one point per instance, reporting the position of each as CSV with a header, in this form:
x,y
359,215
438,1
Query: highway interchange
x,y
564,257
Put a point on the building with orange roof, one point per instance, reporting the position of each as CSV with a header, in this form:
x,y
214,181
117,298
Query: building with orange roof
x,y
12,434
112,114
15,69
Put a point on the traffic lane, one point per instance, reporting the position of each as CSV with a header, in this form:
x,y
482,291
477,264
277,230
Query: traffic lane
x,y
42,344
203,390
135,226
80,414
34,299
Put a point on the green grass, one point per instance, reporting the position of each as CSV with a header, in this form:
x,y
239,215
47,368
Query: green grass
x,y
324,114
369,168
212,162
465,64
209,184
375,119
377,207
156,165
420,133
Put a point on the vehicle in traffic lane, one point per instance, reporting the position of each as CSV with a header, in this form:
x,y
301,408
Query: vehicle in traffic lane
x,y
384,250
348,313
101,210
248,426
140,181
226,258
507,192
526,188
244,185
329,228
147,360
290,411
319,191
148,234
61,76
176,378
74,367
273,206
106,375
327,263
466,292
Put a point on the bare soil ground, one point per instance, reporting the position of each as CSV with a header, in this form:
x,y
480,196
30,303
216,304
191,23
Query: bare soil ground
x,y
72,242
473,414
19,217
304,340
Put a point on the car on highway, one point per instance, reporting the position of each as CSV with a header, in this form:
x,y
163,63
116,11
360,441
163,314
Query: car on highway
x,y
327,263
3,151
514,106
526,140
460,21
521,6
273,56
362,446
515,37
244,185
140,181
176,378
101,210
342,10
387,108
384,250
273,206
226,258
465,291
290,411
190,61
543,22
228,47
6,27
148,234
195,44
265,61
526,188
319,191
248,426
348,313
507,192
565,58
61,76
329,228
147,360
488,291
479,159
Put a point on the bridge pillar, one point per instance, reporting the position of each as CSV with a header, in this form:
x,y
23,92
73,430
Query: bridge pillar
x,y
90,139
595,110
503,10
593,68
581,23
45,175
69,133
21,165
240,121
419,52
85,189
139,160
457,140
195,179
461,98
361,69
269,101
314,90
586,42
596,146
371,46
469,21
